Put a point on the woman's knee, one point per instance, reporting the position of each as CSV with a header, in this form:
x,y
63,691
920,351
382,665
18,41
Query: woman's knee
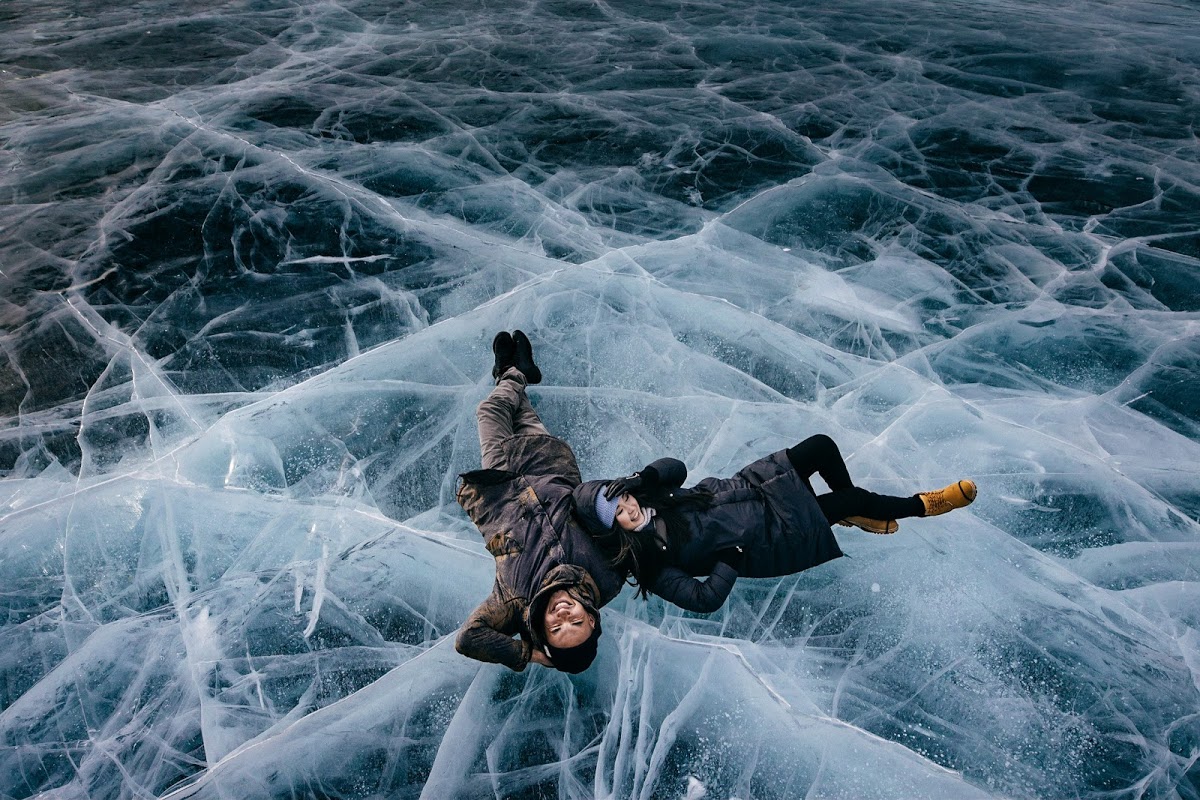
x,y
818,446
820,441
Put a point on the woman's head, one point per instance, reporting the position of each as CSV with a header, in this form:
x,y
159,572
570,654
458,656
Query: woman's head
x,y
624,530
630,515
624,511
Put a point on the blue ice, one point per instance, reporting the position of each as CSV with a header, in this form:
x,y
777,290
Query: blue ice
x,y
251,259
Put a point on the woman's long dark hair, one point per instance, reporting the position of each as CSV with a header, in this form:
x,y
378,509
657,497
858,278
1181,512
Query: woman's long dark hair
x,y
639,552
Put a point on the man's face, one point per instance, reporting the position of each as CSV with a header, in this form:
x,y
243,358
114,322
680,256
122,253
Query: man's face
x,y
566,622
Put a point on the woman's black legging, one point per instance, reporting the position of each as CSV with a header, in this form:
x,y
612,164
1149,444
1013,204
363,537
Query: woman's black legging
x,y
819,454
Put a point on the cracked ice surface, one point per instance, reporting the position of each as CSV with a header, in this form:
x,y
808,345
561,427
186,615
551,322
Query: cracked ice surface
x,y
251,259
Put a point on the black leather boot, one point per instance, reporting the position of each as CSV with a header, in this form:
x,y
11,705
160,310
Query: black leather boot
x,y
505,351
525,358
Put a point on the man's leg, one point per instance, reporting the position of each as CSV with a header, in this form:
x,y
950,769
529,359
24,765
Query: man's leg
x,y
505,412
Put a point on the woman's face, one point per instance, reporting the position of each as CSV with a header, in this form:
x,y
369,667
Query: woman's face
x,y
629,513
566,622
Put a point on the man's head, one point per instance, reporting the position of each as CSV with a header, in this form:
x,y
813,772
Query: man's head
x,y
565,622
571,632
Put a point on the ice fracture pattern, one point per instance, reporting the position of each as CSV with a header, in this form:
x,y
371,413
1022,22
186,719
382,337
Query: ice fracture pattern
x,y
252,254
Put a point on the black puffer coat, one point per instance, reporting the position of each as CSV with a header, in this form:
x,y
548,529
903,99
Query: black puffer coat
x,y
527,521
765,509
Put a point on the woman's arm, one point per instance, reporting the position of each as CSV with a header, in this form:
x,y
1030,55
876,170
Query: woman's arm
x,y
657,476
664,473
706,596
488,634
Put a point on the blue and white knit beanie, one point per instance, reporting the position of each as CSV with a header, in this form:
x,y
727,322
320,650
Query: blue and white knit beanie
x,y
606,509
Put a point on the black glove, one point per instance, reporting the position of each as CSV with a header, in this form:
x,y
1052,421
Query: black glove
x,y
648,478
620,486
732,556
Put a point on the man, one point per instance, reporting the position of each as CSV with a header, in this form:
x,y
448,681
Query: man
x,y
551,578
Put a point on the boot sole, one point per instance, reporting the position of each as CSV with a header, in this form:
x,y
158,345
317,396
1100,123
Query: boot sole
x,y
525,361
501,342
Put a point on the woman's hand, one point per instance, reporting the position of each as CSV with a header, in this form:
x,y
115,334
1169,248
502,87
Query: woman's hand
x,y
538,657
620,486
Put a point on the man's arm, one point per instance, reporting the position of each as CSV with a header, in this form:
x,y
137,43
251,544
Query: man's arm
x,y
488,634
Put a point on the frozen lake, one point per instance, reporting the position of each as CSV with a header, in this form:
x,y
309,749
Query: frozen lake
x,y
252,255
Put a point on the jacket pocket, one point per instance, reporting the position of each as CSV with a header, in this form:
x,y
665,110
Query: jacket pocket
x,y
484,495
502,544
523,513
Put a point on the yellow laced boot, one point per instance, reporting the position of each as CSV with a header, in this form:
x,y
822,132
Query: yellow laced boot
x,y
956,495
871,525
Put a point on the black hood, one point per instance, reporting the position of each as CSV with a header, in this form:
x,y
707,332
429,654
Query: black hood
x,y
585,507
578,658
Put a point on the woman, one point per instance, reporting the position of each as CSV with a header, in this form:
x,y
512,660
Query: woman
x,y
764,522
551,578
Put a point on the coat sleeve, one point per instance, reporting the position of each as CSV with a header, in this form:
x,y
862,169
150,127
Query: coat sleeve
x,y
706,596
488,634
665,473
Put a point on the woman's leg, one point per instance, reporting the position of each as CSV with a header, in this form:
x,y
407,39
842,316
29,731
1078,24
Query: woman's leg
x,y
819,454
855,502
849,504
505,412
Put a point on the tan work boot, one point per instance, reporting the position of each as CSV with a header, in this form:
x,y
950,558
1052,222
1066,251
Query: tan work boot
x,y
871,525
956,495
